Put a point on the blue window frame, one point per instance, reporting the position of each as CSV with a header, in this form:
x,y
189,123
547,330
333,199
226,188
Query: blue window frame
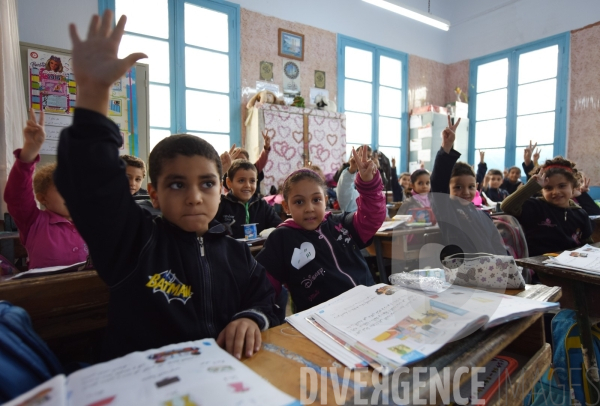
x,y
519,95
372,92
194,57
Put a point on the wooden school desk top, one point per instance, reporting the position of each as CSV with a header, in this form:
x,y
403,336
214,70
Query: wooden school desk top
x,y
285,351
402,230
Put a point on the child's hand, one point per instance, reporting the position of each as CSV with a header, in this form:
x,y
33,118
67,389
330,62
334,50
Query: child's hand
x,y
421,165
267,139
366,167
528,152
95,62
486,181
481,156
34,136
393,162
236,153
375,159
226,159
536,156
541,178
237,332
585,184
449,135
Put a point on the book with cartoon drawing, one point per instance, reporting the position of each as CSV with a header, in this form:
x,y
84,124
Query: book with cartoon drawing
x,y
390,326
190,373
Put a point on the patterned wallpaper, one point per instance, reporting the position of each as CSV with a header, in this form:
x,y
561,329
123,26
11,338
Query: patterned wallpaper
x,y
583,144
457,75
259,43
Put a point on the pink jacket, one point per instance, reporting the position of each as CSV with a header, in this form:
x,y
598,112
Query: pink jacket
x,y
50,239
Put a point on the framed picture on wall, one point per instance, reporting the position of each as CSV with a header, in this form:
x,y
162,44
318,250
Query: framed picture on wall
x,y
291,44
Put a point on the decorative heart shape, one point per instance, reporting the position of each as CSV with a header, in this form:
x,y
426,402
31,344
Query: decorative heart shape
x,y
283,149
284,168
283,116
319,135
332,139
334,167
271,133
343,123
269,118
268,166
318,120
334,125
338,153
269,181
298,135
299,120
319,152
283,132
304,255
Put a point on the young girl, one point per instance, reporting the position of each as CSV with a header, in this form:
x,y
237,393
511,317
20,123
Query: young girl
x,y
454,186
317,254
48,235
552,222
420,185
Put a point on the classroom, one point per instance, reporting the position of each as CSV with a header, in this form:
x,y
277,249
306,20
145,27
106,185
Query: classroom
x,y
321,202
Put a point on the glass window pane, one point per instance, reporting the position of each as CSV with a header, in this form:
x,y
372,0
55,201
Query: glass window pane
x,y
160,106
390,72
220,142
358,128
390,153
359,64
148,17
349,150
156,135
494,158
493,75
538,65
536,97
490,134
390,102
206,28
206,112
206,70
358,96
157,51
491,105
546,152
390,131
537,127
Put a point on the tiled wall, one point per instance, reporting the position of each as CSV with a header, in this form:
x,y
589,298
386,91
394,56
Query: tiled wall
x,y
583,144
259,43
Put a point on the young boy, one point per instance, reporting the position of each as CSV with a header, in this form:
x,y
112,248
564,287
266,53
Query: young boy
x,y
173,278
135,170
512,181
492,186
241,205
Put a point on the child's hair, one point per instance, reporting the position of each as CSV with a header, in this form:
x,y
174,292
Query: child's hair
x,y
299,175
318,170
43,178
561,166
495,172
180,144
244,153
460,169
513,168
404,174
134,161
238,164
415,175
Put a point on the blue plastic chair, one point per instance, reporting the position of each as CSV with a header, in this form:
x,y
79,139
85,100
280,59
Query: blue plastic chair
x,y
594,192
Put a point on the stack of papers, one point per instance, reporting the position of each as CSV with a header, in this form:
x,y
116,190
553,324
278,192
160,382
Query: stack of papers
x,y
585,259
51,270
191,373
388,327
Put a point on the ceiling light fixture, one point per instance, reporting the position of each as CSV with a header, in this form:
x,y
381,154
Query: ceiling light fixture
x,y
412,13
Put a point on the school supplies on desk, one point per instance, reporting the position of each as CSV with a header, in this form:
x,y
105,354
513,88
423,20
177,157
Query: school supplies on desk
x,y
390,225
51,270
191,373
390,326
584,259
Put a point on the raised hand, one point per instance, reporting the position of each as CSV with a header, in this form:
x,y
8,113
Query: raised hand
x,y
536,156
33,137
235,152
366,167
585,184
375,159
267,140
421,165
486,181
528,151
541,178
393,162
449,135
481,156
95,62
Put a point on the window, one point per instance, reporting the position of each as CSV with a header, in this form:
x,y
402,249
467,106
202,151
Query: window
x,y
519,95
193,54
372,93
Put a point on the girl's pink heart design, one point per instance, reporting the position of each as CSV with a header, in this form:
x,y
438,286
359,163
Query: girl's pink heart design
x,y
283,149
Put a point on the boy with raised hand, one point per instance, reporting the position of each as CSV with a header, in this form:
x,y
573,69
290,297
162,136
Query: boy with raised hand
x,y
173,278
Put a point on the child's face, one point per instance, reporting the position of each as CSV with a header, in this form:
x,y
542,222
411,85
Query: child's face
x,y
188,192
463,186
514,175
495,181
558,191
306,204
405,181
54,202
135,177
422,184
243,184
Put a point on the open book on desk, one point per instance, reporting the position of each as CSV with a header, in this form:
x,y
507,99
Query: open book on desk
x,y
389,326
191,373
585,259
52,270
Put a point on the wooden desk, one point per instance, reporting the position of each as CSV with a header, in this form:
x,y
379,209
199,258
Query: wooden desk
x,y
285,351
387,238
596,230
581,292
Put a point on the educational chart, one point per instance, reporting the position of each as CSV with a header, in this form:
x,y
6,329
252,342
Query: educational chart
x,y
53,89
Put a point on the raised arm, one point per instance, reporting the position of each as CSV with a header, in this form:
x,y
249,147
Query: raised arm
x,y
513,204
445,160
397,189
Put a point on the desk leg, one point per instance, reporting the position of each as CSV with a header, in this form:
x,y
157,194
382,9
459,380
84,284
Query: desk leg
x,y
379,257
587,345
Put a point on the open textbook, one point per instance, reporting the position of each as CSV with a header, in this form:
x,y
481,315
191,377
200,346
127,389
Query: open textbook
x,y
585,259
389,326
191,373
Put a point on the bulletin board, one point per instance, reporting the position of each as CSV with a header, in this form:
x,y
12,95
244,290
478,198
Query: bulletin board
x,y
50,85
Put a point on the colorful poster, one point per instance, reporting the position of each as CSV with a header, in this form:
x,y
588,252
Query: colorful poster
x,y
121,108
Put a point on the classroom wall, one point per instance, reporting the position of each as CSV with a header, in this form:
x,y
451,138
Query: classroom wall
x,y
583,144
